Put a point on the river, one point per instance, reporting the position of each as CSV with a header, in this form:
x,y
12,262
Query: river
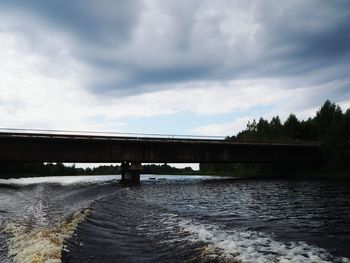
x,y
173,219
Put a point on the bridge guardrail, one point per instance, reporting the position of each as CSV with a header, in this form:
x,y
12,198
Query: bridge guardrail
x,y
56,132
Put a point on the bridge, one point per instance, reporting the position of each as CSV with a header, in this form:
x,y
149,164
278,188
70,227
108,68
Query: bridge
x,y
133,150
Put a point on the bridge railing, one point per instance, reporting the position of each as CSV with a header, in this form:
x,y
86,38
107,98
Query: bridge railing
x,y
73,133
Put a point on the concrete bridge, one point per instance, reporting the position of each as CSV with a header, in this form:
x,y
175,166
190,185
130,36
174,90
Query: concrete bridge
x,y
132,151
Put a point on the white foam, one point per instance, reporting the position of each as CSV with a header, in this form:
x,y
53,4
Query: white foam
x,y
64,180
30,244
247,246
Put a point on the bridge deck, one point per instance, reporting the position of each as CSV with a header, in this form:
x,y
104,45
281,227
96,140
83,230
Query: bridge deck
x,y
23,146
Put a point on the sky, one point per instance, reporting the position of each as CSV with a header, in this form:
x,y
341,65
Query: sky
x,y
200,67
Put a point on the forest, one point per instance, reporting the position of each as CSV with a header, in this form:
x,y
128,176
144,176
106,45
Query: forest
x,y
330,128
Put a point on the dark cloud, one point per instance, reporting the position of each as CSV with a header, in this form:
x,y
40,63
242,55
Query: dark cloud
x,y
305,34
143,81
105,22
131,44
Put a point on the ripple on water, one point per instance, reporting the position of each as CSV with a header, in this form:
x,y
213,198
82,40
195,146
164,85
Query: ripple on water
x,y
176,221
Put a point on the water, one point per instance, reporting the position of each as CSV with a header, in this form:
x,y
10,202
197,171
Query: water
x,y
173,219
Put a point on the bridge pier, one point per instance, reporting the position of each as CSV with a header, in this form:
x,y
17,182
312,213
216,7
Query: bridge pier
x,y
131,172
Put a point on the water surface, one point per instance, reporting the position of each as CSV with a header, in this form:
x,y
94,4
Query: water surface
x,y
174,219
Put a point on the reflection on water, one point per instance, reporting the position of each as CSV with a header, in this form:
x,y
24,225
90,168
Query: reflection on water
x,y
176,219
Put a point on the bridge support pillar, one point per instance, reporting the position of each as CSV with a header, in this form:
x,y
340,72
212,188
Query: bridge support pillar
x,y
131,172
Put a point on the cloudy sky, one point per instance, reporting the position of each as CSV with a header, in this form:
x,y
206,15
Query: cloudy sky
x,y
179,67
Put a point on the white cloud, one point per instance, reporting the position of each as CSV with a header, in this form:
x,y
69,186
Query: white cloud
x,y
171,35
37,90
201,98
223,129
292,101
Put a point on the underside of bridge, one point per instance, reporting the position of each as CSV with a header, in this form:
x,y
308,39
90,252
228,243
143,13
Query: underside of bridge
x,y
131,151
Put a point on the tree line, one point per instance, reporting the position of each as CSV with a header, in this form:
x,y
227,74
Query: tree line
x,y
20,169
330,128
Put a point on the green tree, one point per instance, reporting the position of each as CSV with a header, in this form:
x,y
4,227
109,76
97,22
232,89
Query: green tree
x,y
292,127
336,142
326,118
276,128
263,129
